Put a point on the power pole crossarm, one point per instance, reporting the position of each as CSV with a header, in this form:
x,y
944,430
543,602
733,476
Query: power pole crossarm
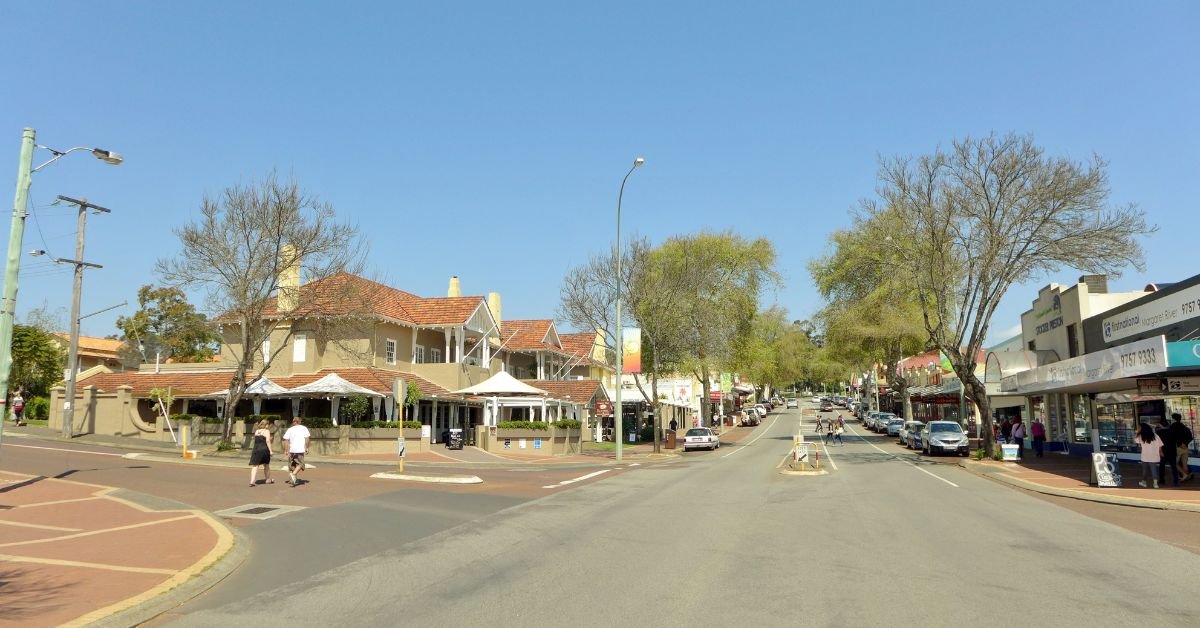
x,y
68,425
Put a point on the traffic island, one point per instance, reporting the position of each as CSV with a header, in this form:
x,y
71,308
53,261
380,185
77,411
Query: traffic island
x,y
436,479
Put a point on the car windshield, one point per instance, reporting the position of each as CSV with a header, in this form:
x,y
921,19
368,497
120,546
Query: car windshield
x,y
913,426
896,422
886,417
944,427
698,431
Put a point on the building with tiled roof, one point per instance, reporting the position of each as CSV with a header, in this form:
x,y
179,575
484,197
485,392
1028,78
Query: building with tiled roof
x,y
94,351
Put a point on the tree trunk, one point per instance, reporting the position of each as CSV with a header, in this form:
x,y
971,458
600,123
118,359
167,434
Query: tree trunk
x,y
705,403
976,392
657,408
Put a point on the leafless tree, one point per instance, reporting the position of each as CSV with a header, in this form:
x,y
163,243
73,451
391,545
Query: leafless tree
x,y
986,214
247,241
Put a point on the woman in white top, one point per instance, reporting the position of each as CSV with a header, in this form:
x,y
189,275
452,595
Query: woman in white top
x,y
1151,454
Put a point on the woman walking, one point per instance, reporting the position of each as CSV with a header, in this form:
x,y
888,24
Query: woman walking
x,y
1151,454
837,434
260,456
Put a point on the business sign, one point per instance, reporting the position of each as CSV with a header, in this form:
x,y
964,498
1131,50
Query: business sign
x,y
603,408
1179,385
1142,357
1167,310
1183,353
631,342
1151,385
1054,310
1108,470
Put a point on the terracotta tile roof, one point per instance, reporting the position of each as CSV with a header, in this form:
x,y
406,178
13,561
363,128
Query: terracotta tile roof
x,y
200,383
580,347
579,390
90,345
344,294
529,335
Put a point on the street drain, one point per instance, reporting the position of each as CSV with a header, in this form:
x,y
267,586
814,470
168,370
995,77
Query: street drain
x,y
258,511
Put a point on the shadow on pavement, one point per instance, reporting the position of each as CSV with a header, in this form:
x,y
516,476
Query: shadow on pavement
x,y
25,598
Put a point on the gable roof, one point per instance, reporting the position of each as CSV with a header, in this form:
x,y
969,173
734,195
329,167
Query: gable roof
x,y
531,335
92,346
202,383
580,346
345,294
576,390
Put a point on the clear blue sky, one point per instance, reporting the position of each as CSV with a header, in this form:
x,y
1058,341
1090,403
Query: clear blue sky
x,y
488,140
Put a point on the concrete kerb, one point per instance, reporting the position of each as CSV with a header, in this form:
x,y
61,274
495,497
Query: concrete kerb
x,y
436,479
1119,500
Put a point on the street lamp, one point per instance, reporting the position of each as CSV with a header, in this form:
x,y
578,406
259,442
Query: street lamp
x,y
16,236
618,431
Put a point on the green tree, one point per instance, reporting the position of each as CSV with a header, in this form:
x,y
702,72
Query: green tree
x,y
166,325
38,360
969,222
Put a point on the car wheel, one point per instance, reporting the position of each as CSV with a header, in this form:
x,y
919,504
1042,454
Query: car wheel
x,y
924,449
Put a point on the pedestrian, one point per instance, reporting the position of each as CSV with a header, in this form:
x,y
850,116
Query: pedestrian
x,y
1168,453
829,427
295,444
18,406
1182,435
1006,430
1151,446
1017,434
674,425
260,455
817,429
840,421
837,434
1038,430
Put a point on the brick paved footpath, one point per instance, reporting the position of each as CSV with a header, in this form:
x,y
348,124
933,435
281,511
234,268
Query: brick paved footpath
x,y
73,553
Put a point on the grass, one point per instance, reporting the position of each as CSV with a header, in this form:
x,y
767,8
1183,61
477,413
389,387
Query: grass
x,y
41,422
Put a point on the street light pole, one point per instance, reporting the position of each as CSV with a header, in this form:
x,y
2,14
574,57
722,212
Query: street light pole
x,y
12,267
68,426
618,431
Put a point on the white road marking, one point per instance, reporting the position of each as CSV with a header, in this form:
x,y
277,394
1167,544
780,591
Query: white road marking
x,y
829,457
903,460
74,451
752,441
578,479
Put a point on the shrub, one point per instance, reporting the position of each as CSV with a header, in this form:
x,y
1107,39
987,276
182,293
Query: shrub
x,y
269,418
646,434
38,409
354,409
411,425
568,424
979,454
316,422
208,420
183,418
523,425
226,446
371,424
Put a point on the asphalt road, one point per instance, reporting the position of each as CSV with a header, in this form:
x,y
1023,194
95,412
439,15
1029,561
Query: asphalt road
x,y
721,538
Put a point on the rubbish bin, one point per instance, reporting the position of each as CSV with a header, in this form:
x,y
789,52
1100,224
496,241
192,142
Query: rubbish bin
x,y
670,439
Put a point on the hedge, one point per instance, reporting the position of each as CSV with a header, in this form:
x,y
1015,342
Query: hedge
x,y
523,425
568,424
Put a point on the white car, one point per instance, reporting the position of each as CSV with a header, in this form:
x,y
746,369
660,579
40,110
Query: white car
x,y
701,438
793,403
761,410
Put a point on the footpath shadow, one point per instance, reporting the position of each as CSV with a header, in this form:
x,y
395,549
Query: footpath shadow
x,y
25,597
22,484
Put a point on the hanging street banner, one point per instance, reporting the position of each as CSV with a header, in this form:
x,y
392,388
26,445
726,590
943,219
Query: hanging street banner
x,y
632,347
726,382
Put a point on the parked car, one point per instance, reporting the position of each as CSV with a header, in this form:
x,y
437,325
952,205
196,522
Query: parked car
x,y
793,403
893,426
944,436
701,438
761,410
826,406
881,422
908,431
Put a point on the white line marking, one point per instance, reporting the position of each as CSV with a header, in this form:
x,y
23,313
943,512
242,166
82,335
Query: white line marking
x,y
904,461
752,441
578,479
74,451
831,462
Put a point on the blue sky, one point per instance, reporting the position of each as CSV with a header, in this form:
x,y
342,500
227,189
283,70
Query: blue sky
x,y
488,140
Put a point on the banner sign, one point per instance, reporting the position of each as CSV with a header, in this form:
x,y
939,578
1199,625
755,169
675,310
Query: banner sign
x,y
632,348
726,382
1108,470
1161,312
1142,357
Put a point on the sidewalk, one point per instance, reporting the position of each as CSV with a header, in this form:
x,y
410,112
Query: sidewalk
x,y
1068,476
73,554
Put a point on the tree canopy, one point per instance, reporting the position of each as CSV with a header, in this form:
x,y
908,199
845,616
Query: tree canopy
x,y
166,325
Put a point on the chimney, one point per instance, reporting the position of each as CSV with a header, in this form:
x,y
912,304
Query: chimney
x,y
454,290
289,279
599,349
494,306
1097,284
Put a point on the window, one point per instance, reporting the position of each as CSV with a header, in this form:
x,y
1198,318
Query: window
x,y
1081,416
266,350
419,354
389,351
1072,341
1033,345
435,355
299,347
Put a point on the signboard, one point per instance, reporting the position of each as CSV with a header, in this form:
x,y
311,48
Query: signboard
x,y
726,382
1142,357
631,342
537,443
1108,470
801,452
401,445
1151,385
1160,312
1183,353
508,443
1177,385
521,443
604,408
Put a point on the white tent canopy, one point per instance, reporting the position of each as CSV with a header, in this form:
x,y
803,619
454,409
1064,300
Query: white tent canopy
x,y
332,384
264,387
501,384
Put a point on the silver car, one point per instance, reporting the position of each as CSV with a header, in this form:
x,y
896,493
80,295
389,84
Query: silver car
x,y
893,426
944,436
910,434
701,438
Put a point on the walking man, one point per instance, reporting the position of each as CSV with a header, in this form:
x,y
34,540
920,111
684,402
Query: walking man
x,y
1018,437
1182,435
817,429
1039,436
1168,454
295,444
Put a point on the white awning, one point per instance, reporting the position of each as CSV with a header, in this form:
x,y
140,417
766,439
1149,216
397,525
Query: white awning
x,y
333,384
501,384
262,388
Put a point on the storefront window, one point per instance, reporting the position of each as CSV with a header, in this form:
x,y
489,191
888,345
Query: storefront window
x,y
1187,408
1116,422
1081,417
1053,428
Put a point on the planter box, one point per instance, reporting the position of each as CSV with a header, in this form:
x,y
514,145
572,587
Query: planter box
x,y
502,433
390,433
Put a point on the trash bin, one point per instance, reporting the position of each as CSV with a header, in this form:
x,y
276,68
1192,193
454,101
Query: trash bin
x,y
670,439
